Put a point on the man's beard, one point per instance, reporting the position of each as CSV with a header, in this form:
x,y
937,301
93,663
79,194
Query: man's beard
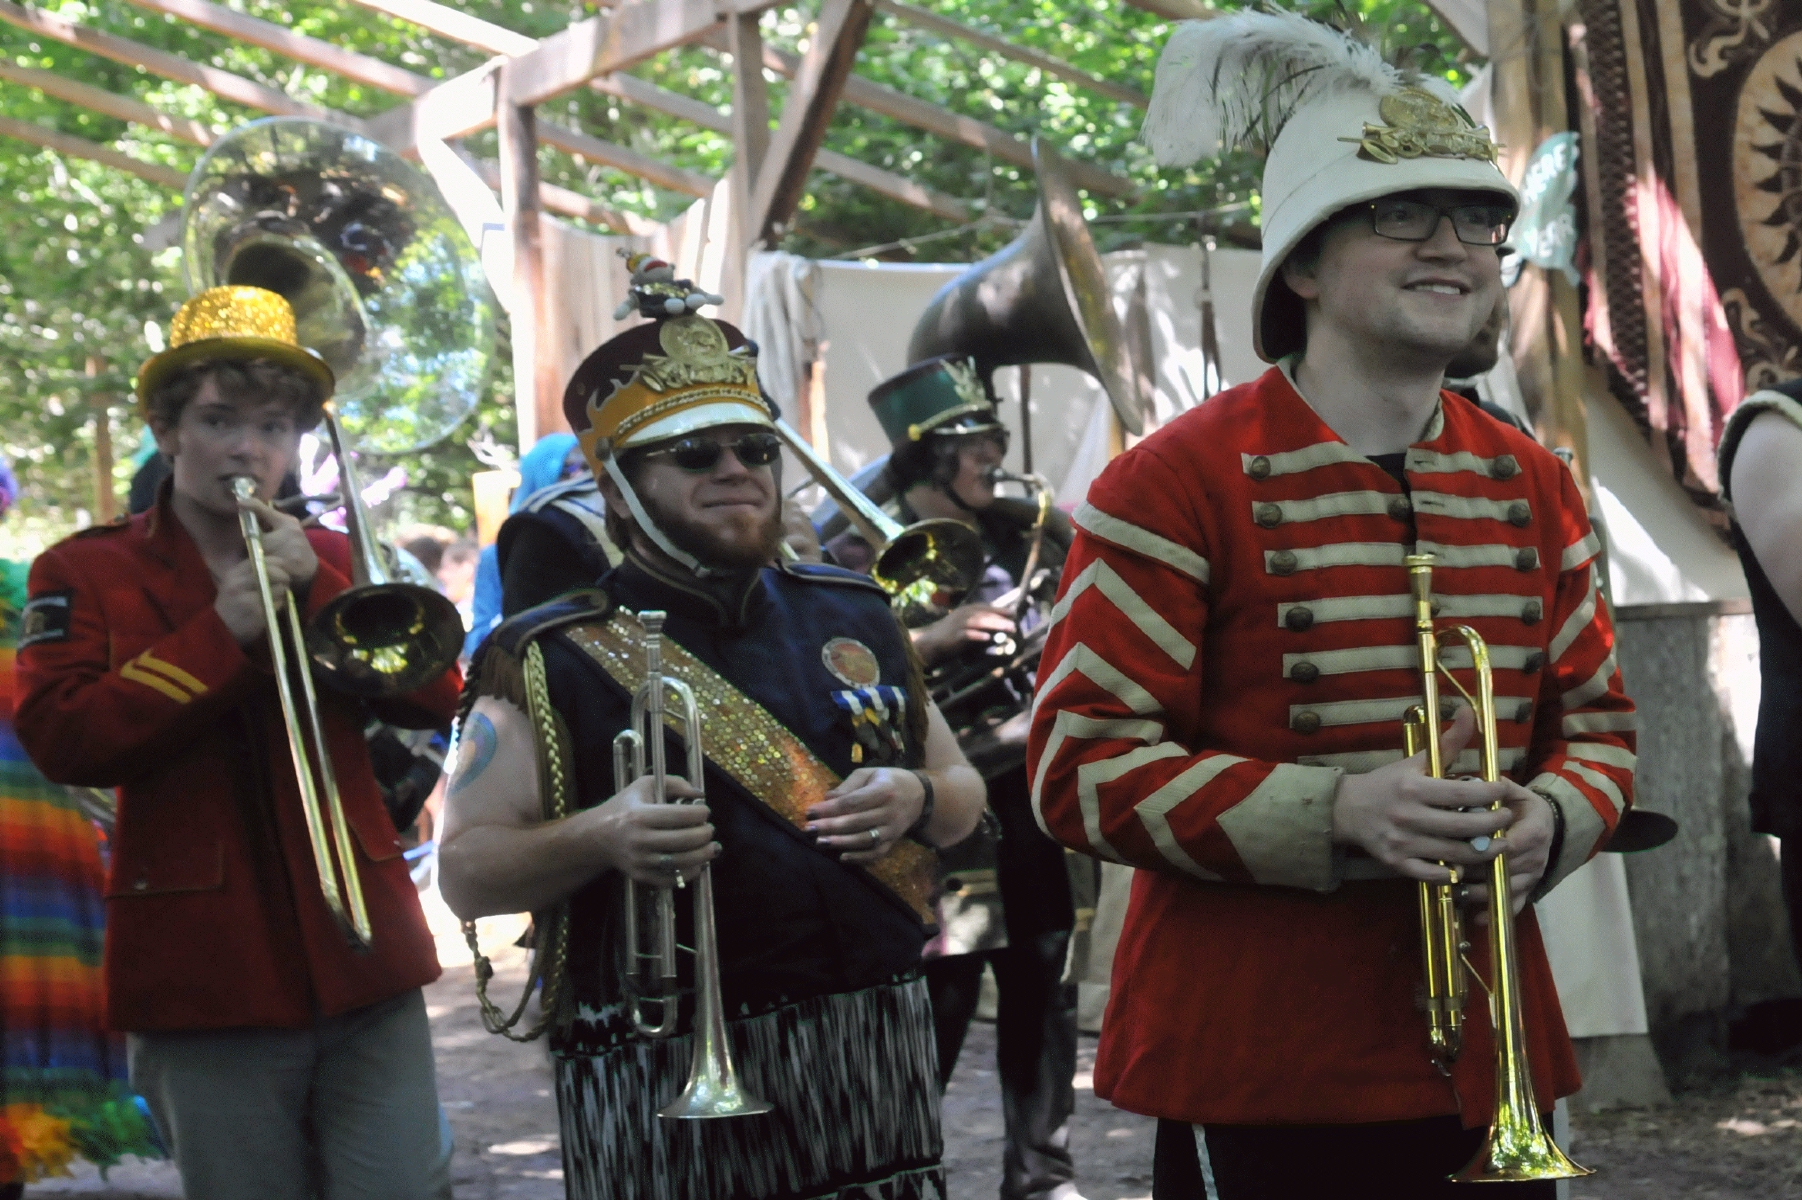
x,y
748,551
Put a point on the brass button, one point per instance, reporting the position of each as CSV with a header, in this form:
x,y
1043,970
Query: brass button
x,y
1258,468
1305,722
1531,611
1520,514
1534,661
1399,508
1304,672
1283,562
1526,558
1270,515
1299,618
1505,467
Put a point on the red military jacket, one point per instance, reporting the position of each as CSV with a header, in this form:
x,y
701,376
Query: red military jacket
x,y
1232,637
129,679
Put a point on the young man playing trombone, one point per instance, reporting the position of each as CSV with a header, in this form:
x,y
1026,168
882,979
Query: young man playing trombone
x,y
1221,701
278,1061
824,775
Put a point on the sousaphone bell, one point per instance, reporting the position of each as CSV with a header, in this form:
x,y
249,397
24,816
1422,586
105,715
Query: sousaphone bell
x,y
1042,298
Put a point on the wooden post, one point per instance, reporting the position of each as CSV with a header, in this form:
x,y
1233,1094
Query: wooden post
x,y
818,83
813,406
750,125
106,503
535,397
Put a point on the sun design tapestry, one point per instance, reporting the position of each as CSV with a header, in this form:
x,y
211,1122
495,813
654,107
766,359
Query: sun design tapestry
x,y
1695,288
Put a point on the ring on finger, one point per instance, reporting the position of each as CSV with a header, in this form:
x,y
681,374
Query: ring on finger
x,y
875,836
665,862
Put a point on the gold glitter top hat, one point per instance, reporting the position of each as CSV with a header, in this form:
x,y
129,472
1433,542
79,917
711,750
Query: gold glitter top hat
x,y
234,324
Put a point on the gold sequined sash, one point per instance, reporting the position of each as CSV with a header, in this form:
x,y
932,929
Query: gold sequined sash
x,y
748,743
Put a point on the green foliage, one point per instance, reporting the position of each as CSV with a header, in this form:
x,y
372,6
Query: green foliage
x,y
79,278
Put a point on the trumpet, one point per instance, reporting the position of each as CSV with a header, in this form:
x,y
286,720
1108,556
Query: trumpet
x,y
1517,1147
713,1088
312,764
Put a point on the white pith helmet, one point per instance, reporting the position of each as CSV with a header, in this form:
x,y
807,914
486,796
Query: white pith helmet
x,y
1340,126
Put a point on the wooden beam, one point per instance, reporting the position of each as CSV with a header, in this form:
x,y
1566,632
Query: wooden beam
x,y
1177,10
609,42
75,147
567,203
831,53
314,52
945,26
496,39
223,84
942,121
895,187
109,103
675,179
455,24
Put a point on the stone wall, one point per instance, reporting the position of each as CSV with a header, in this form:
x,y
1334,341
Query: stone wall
x,y
1707,907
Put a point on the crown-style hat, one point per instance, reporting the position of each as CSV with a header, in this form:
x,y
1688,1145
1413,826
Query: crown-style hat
x,y
232,324
939,396
1340,126
675,374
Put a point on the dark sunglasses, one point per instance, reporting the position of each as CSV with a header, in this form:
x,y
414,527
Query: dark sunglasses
x,y
703,454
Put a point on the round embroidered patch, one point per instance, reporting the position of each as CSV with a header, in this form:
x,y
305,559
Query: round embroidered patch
x,y
851,662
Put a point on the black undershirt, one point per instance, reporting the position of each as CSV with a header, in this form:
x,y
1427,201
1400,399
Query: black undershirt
x,y
1397,466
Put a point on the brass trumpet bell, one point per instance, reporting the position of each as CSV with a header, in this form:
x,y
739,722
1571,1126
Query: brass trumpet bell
x,y
1042,298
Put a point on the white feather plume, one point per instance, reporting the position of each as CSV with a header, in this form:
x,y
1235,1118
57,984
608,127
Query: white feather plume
x,y
1235,80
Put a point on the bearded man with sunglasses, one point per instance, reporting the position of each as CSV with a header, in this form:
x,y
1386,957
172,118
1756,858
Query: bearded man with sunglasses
x,y
828,774
1221,696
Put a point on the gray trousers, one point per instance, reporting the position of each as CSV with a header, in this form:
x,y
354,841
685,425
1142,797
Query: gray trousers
x,y
346,1110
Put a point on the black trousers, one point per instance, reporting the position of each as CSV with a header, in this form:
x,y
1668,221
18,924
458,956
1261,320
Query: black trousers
x,y
1397,1160
1792,890
1035,1026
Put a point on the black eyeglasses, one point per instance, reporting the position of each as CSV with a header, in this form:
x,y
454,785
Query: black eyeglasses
x,y
1415,221
703,454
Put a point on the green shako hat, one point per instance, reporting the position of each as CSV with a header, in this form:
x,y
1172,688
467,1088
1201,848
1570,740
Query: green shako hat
x,y
941,395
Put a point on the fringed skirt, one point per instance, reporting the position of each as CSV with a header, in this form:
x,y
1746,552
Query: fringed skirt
x,y
854,1081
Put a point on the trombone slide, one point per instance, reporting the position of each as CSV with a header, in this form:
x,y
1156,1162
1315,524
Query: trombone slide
x,y
312,762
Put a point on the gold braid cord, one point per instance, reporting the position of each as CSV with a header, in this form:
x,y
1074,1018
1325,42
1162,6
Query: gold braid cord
x,y
550,956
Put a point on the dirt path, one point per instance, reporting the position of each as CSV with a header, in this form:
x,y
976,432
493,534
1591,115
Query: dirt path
x,y
1739,1138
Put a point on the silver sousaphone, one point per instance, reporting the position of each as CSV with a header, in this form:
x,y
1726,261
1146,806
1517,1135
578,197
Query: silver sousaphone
x,y
387,288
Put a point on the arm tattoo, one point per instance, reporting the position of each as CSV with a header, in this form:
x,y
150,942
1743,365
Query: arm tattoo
x,y
475,750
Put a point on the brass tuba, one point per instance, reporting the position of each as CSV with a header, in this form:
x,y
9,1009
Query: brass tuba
x,y
1517,1147
386,287
1042,298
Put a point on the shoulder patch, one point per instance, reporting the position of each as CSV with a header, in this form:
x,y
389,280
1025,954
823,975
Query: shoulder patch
x,y
46,618
821,573
517,631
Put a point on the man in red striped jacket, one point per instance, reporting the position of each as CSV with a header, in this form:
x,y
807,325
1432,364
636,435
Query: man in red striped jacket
x,y
1220,699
